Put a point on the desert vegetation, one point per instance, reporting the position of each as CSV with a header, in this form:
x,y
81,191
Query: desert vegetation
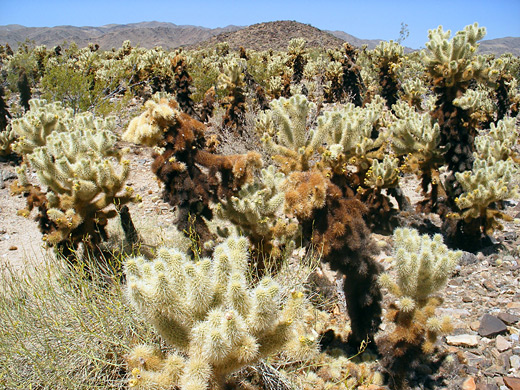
x,y
279,168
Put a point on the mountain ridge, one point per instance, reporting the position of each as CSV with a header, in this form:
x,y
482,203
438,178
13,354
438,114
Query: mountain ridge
x,y
170,36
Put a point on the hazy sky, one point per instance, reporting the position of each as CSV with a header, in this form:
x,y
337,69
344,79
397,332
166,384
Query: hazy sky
x,y
378,19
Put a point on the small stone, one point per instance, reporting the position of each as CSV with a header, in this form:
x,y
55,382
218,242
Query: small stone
x,y
508,319
468,258
502,343
513,305
469,384
472,359
489,285
491,326
13,248
474,325
467,299
486,386
463,340
512,383
514,360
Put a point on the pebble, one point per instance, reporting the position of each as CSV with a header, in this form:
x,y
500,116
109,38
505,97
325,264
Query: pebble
x,y
13,248
491,326
469,384
514,360
502,344
463,340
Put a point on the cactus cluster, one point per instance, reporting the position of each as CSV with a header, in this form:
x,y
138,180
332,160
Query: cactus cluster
x,y
84,174
212,316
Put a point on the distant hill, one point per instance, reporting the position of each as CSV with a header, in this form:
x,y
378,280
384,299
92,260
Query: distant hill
x,y
371,43
146,34
500,46
271,35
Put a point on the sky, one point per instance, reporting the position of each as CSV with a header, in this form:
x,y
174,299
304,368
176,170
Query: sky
x,y
377,19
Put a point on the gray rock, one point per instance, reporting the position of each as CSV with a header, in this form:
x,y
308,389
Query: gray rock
x,y
508,319
468,258
491,326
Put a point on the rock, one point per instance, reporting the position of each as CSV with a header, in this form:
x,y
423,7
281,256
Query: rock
x,y
469,384
502,343
463,340
491,326
489,285
472,359
486,386
514,360
513,305
508,319
13,248
468,258
467,299
512,383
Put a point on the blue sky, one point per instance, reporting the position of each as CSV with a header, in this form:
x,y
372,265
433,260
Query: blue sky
x,y
376,19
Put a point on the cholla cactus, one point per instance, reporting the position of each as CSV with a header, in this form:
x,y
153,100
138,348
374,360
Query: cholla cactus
x,y
195,178
488,182
454,61
148,128
286,134
414,136
232,80
499,142
333,85
381,175
7,138
209,312
423,266
84,174
452,64
388,60
296,51
414,91
278,76
384,174
258,211
348,133
41,120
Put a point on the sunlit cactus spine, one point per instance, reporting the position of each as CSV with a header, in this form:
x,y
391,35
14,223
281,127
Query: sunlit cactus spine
x,y
209,312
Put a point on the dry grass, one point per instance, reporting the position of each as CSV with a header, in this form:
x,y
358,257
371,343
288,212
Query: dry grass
x,y
60,329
